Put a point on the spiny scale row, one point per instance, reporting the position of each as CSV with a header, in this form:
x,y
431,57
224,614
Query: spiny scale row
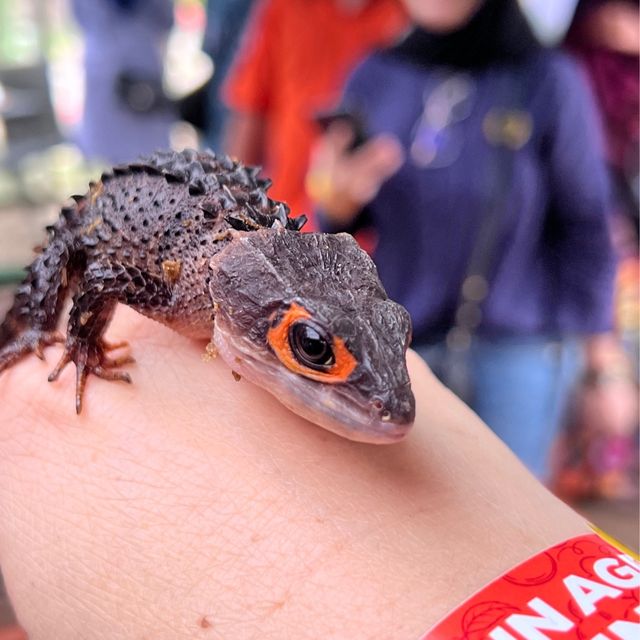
x,y
206,172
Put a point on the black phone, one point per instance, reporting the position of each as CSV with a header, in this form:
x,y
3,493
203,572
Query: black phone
x,y
355,122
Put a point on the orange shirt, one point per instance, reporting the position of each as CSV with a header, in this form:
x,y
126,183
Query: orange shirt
x,y
293,62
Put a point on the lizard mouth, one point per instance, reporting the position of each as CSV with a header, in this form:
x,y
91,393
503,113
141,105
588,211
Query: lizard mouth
x,y
335,407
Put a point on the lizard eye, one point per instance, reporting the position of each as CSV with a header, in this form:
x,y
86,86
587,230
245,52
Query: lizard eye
x,y
306,349
310,346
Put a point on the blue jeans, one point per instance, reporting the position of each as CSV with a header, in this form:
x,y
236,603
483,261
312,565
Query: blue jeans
x,y
518,386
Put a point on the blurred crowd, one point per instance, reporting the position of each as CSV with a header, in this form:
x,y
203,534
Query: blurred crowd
x,y
493,179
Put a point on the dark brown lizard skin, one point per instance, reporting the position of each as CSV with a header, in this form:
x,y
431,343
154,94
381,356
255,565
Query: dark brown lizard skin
x,y
147,235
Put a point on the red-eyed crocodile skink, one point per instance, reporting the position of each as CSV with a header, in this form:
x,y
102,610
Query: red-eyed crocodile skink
x,y
192,240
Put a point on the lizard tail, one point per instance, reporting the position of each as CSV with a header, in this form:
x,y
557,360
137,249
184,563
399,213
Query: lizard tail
x,y
31,321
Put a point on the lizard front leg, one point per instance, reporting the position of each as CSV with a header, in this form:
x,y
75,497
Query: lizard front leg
x,y
101,288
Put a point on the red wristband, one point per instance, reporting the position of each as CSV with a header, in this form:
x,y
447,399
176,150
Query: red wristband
x,y
583,588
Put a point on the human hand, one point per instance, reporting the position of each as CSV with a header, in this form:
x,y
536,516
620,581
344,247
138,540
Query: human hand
x,y
342,181
609,409
189,505
608,400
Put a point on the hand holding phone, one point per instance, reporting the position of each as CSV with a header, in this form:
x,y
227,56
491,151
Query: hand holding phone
x,y
346,118
347,167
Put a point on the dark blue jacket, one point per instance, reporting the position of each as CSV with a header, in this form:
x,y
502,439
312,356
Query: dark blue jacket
x,y
552,266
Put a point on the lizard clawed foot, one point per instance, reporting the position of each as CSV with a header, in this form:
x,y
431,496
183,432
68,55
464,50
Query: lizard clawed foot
x,y
89,357
30,341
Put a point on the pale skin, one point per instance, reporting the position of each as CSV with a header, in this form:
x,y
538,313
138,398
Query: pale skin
x,y
615,25
190,505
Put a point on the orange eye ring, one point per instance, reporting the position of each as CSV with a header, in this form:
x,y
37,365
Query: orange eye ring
x,y
278,338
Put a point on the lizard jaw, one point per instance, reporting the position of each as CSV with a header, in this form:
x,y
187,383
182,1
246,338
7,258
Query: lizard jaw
x,y
322,404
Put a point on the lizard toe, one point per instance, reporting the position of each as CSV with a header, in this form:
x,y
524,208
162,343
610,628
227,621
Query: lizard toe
x,y
89,358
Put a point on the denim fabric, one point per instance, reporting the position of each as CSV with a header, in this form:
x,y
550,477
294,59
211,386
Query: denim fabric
x,y
518,386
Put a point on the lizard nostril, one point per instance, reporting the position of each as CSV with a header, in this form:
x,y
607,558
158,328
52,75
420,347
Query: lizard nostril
x,y
379,407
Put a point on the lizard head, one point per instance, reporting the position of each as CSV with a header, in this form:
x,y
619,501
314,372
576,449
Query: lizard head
x,y
305,316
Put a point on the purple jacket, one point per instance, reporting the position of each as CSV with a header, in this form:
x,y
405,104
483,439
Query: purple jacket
x,y
553,264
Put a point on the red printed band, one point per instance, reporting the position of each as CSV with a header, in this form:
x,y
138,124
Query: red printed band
x,y
583,588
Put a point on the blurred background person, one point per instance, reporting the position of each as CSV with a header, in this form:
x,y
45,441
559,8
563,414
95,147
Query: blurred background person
x,y
225,24
483,178
600,454
126,112
605,38
291,65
